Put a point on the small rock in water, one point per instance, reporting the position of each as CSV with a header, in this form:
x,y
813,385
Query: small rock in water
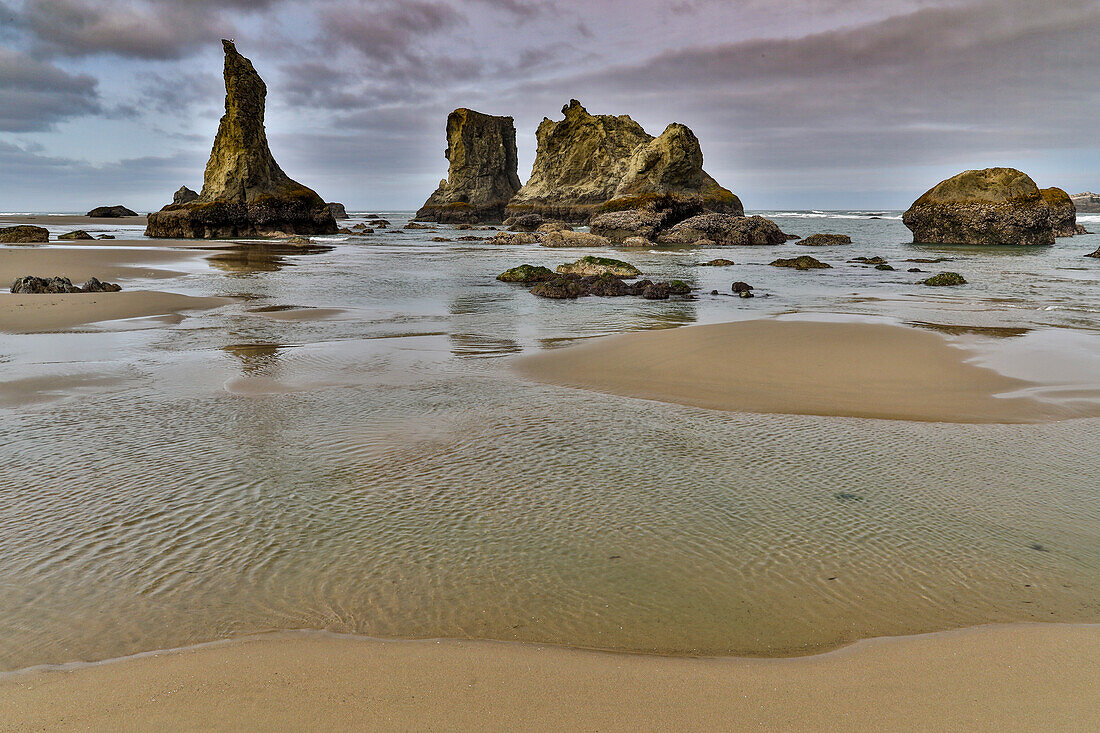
x,y
720,262
945,278
741,287
884,266
679,287
804,262
78,234
417,225
527,274
915,269
105,236
868,260
24,235
825,240
31,285
657,291
598,266
559,288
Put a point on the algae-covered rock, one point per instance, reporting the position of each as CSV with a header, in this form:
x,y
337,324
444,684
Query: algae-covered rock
x,y
804,262
245,192
111,212
945,278
876,260
24,234
994,206
572,239
482,176
1063,214
724,230
78,234
527,274
599,266
584,161
825,240
720,262
559,288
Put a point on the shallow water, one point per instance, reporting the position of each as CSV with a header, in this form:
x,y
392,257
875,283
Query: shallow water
x,y
382,471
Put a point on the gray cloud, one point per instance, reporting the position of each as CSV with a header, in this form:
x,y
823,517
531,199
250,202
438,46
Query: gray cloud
x,y
37,95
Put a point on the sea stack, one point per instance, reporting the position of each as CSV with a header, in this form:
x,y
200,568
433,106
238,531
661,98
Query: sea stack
x,y
1063,214
482,176
588,162
1087,202
994,206
244,191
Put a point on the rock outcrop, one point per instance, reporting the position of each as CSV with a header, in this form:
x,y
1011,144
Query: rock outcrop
x,y
24,234
599,266
78,234
585,161
184,196
1087,202
244,191
724,230
994,206
110,212
802,262
31,285
944,279
482,176
825,240
1063,214
337,210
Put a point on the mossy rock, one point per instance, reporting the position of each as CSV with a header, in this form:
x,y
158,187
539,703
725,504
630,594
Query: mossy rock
x,y
804,262
720,262
527,274
598,266
945,278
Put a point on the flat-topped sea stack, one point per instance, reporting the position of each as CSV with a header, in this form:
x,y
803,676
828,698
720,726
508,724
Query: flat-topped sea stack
x,y
244,191
586,163
1063,214
994,206
482,176
1087,202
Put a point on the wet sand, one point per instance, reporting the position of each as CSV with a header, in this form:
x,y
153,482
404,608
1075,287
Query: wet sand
x,y
807,368
1020,677
71,220
79,264
36,313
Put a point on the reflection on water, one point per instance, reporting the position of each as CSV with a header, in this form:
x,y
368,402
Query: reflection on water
x,y
373,479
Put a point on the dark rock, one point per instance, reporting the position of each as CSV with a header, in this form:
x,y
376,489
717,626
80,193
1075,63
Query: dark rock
x,y
584,161
1063,214
378,223
1094,254
745,294
884,266
608,285
994,206
657,291
598,266
78,234
559,288
741,287
31,285
945,278
915,269
106,236
24,234
440,239
714,292
826,240
337,210
415,225
110,212
724,230
525,222
717,263
643,216
1080,229
184,196
679,287
926,260
805,262
873,260
482,176
527,274
244,192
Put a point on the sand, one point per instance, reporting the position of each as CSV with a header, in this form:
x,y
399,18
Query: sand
x,y
1023,677
801,367
79,264
76,221
37,313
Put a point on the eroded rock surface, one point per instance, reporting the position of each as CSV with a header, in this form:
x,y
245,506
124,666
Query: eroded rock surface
x,y
184,195
24,234
482,176
724,230
31,285
994,206
1063,213
111,212
244,192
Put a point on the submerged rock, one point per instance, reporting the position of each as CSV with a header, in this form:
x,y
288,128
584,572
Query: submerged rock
x,y
994,206
559,288
184,196
876,260
31,285
741,288
482,176
825,240
717,263
804,262
585,161
724,230
78,234
945,278
1063,214
245,192
599,266
527,274
24,234
111,212
337,210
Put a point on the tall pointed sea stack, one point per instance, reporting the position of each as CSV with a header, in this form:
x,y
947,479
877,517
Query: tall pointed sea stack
x,y
244,191
482,176
586,162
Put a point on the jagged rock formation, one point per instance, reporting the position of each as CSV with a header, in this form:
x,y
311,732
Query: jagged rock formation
x,y
1063,214
244,191
995,206
184,196
724,230
110,212
31,285
337,210
1087,202
78,234
482,176
24,234
585,161
825,240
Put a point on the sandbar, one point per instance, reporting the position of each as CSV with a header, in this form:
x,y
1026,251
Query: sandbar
x,y
1013,677
868,370
38,313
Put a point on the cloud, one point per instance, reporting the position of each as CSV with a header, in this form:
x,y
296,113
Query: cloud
x,y
37,95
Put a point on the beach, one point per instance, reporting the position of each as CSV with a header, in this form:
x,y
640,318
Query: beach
x,y
692,513
1027,678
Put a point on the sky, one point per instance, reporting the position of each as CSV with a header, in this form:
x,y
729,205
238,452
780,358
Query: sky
x,y
803,104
